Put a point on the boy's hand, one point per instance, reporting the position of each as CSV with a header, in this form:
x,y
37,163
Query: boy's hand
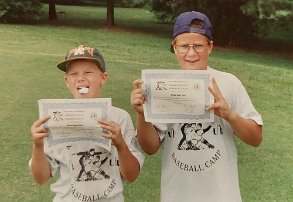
x,y
39,132
221,108
138,97
115,130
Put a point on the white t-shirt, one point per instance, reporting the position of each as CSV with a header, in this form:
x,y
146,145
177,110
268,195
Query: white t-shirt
x,y
88,172
199,161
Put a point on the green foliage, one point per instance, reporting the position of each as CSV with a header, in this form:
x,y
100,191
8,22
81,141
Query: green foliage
x,y
118,3
134,3
66,2
230,24
235,22
275,15
226,16
19,10
161,9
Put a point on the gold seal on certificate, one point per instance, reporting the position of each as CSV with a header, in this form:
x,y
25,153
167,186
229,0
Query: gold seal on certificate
x,y
75,120
177,96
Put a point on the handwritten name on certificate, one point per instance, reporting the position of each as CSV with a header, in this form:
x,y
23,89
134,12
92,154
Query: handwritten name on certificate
x,y
75,120
177,96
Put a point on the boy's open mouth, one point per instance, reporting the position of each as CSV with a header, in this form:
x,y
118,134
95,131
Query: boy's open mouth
x,y
83,89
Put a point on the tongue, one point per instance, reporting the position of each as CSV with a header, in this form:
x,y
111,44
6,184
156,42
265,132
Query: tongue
x,y
83,90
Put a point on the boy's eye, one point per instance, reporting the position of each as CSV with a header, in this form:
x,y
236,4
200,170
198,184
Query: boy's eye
x,y
197,46
72,74
184,46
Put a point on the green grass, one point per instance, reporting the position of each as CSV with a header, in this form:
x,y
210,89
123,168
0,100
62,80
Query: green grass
x,y
28,72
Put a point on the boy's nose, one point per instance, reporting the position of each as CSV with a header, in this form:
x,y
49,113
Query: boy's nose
x,y
80,78
192,52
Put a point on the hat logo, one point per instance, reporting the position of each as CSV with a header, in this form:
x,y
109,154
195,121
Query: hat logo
x,y
81,51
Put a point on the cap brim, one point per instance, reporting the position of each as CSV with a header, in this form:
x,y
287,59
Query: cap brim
x,y
63,65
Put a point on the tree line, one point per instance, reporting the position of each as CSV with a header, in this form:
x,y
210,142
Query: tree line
x,y
235,21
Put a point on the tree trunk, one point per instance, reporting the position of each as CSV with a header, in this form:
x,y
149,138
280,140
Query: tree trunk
x,y
52,10
110,13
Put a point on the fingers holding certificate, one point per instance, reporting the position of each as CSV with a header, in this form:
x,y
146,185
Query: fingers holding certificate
x,y
177,96
74,120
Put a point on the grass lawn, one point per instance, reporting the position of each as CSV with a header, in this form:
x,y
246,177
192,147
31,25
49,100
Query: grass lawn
x,y
29,54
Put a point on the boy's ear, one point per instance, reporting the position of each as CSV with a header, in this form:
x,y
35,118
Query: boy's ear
x,y
105,77
65,80
211,45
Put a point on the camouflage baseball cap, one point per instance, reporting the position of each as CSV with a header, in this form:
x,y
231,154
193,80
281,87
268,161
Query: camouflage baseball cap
x,y
83,52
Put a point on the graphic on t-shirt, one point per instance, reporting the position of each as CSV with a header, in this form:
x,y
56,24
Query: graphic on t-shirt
x,y
91,162
218,130
192,137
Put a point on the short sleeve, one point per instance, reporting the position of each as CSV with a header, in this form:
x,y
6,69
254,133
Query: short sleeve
x,y
130,138
243,106
54,165
162,130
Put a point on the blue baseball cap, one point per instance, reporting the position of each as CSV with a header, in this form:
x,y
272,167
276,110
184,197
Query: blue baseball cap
x,y
184,24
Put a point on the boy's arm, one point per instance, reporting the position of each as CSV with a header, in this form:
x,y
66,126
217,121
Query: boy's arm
x,y
246,129
147,134
40,167
128,164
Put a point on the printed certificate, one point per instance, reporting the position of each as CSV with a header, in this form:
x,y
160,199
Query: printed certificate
x,y
75,120
177,96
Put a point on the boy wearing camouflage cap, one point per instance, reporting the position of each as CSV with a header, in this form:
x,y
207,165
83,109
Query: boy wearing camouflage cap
x,y
100,174
199,160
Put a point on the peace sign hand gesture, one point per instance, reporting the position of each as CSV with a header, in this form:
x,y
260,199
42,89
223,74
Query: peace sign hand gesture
x,y
220,106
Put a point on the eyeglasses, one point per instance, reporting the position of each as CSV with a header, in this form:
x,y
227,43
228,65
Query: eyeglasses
x,y
184,48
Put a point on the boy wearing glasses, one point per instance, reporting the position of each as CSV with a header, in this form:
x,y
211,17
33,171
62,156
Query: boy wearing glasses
x,y
192,170
87,172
